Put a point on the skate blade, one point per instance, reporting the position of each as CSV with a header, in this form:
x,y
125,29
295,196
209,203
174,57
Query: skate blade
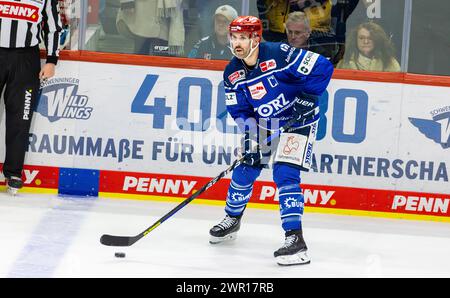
x,y
300,258
229,237
12,191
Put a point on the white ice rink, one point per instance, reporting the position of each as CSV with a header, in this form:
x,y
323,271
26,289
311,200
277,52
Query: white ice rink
x,y
49,236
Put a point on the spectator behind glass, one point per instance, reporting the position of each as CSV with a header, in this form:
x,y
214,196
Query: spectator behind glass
x,y
273,15
386,13
369,48
297,30
299,35
157,27
318,12
216,45
340,13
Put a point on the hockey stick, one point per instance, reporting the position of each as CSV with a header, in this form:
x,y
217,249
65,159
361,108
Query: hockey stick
x,y
111,240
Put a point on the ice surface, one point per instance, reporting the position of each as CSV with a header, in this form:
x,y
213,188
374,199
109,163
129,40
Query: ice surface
x,y
49,236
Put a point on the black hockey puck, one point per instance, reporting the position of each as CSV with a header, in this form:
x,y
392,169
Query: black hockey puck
x,y
119,255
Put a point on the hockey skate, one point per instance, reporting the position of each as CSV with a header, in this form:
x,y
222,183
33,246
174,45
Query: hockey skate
x,y
226,230
293,252
13,184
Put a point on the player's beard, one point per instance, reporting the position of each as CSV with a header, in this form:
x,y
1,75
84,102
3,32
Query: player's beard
x,y
240,52
245,53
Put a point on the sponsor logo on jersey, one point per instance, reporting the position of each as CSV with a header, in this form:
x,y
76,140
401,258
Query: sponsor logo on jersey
x,y
60,99
285,47
288,58
19,11
236,76
292,202
230,98
238,197
307,63
273,106
291,145
258,90
268,65
436,129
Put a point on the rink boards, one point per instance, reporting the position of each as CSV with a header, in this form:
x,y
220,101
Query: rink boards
x,y
139,132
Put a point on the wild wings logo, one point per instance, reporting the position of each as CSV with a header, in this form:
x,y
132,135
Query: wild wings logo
x,y
60,99
436,129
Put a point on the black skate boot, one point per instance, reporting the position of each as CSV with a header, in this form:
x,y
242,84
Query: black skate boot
x,y
13,184
225,230
293,252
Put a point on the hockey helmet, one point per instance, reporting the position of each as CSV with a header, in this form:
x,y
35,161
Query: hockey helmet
x,y
248,24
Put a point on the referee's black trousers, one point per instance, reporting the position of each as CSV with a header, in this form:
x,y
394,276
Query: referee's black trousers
x,y
19,79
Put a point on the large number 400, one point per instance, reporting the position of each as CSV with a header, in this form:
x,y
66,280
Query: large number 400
x,y
349,119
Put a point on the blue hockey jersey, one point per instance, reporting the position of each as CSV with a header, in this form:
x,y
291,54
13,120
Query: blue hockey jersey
x,y
269,90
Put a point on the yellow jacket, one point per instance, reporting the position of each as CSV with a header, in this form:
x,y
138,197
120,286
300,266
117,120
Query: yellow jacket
x,y
273,14
369,64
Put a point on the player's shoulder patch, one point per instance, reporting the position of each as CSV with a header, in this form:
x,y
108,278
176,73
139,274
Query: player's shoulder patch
x,y
268,65
234,72
307,63
230,98
236,76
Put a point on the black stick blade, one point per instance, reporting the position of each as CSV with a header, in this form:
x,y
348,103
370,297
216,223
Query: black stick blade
x,y
110,240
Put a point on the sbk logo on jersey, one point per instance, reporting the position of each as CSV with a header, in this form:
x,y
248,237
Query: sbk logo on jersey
x,y
236,76
268,65
19,11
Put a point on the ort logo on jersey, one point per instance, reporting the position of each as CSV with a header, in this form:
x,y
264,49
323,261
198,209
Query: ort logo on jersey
x,y
236,76
436,129
19,11
258,90
60,99
267,109
268,65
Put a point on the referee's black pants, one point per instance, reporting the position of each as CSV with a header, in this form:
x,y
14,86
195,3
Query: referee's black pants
x,y
19,79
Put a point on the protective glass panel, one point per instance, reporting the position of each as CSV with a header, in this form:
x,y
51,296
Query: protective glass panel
x,y
353,34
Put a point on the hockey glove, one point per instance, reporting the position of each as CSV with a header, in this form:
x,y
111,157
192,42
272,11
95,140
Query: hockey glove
x,y
252,151
306,109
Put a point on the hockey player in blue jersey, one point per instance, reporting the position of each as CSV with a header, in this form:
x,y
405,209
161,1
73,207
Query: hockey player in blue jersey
x,y
266,86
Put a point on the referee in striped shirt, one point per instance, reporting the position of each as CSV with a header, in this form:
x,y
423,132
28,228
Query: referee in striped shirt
x,y
22,25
